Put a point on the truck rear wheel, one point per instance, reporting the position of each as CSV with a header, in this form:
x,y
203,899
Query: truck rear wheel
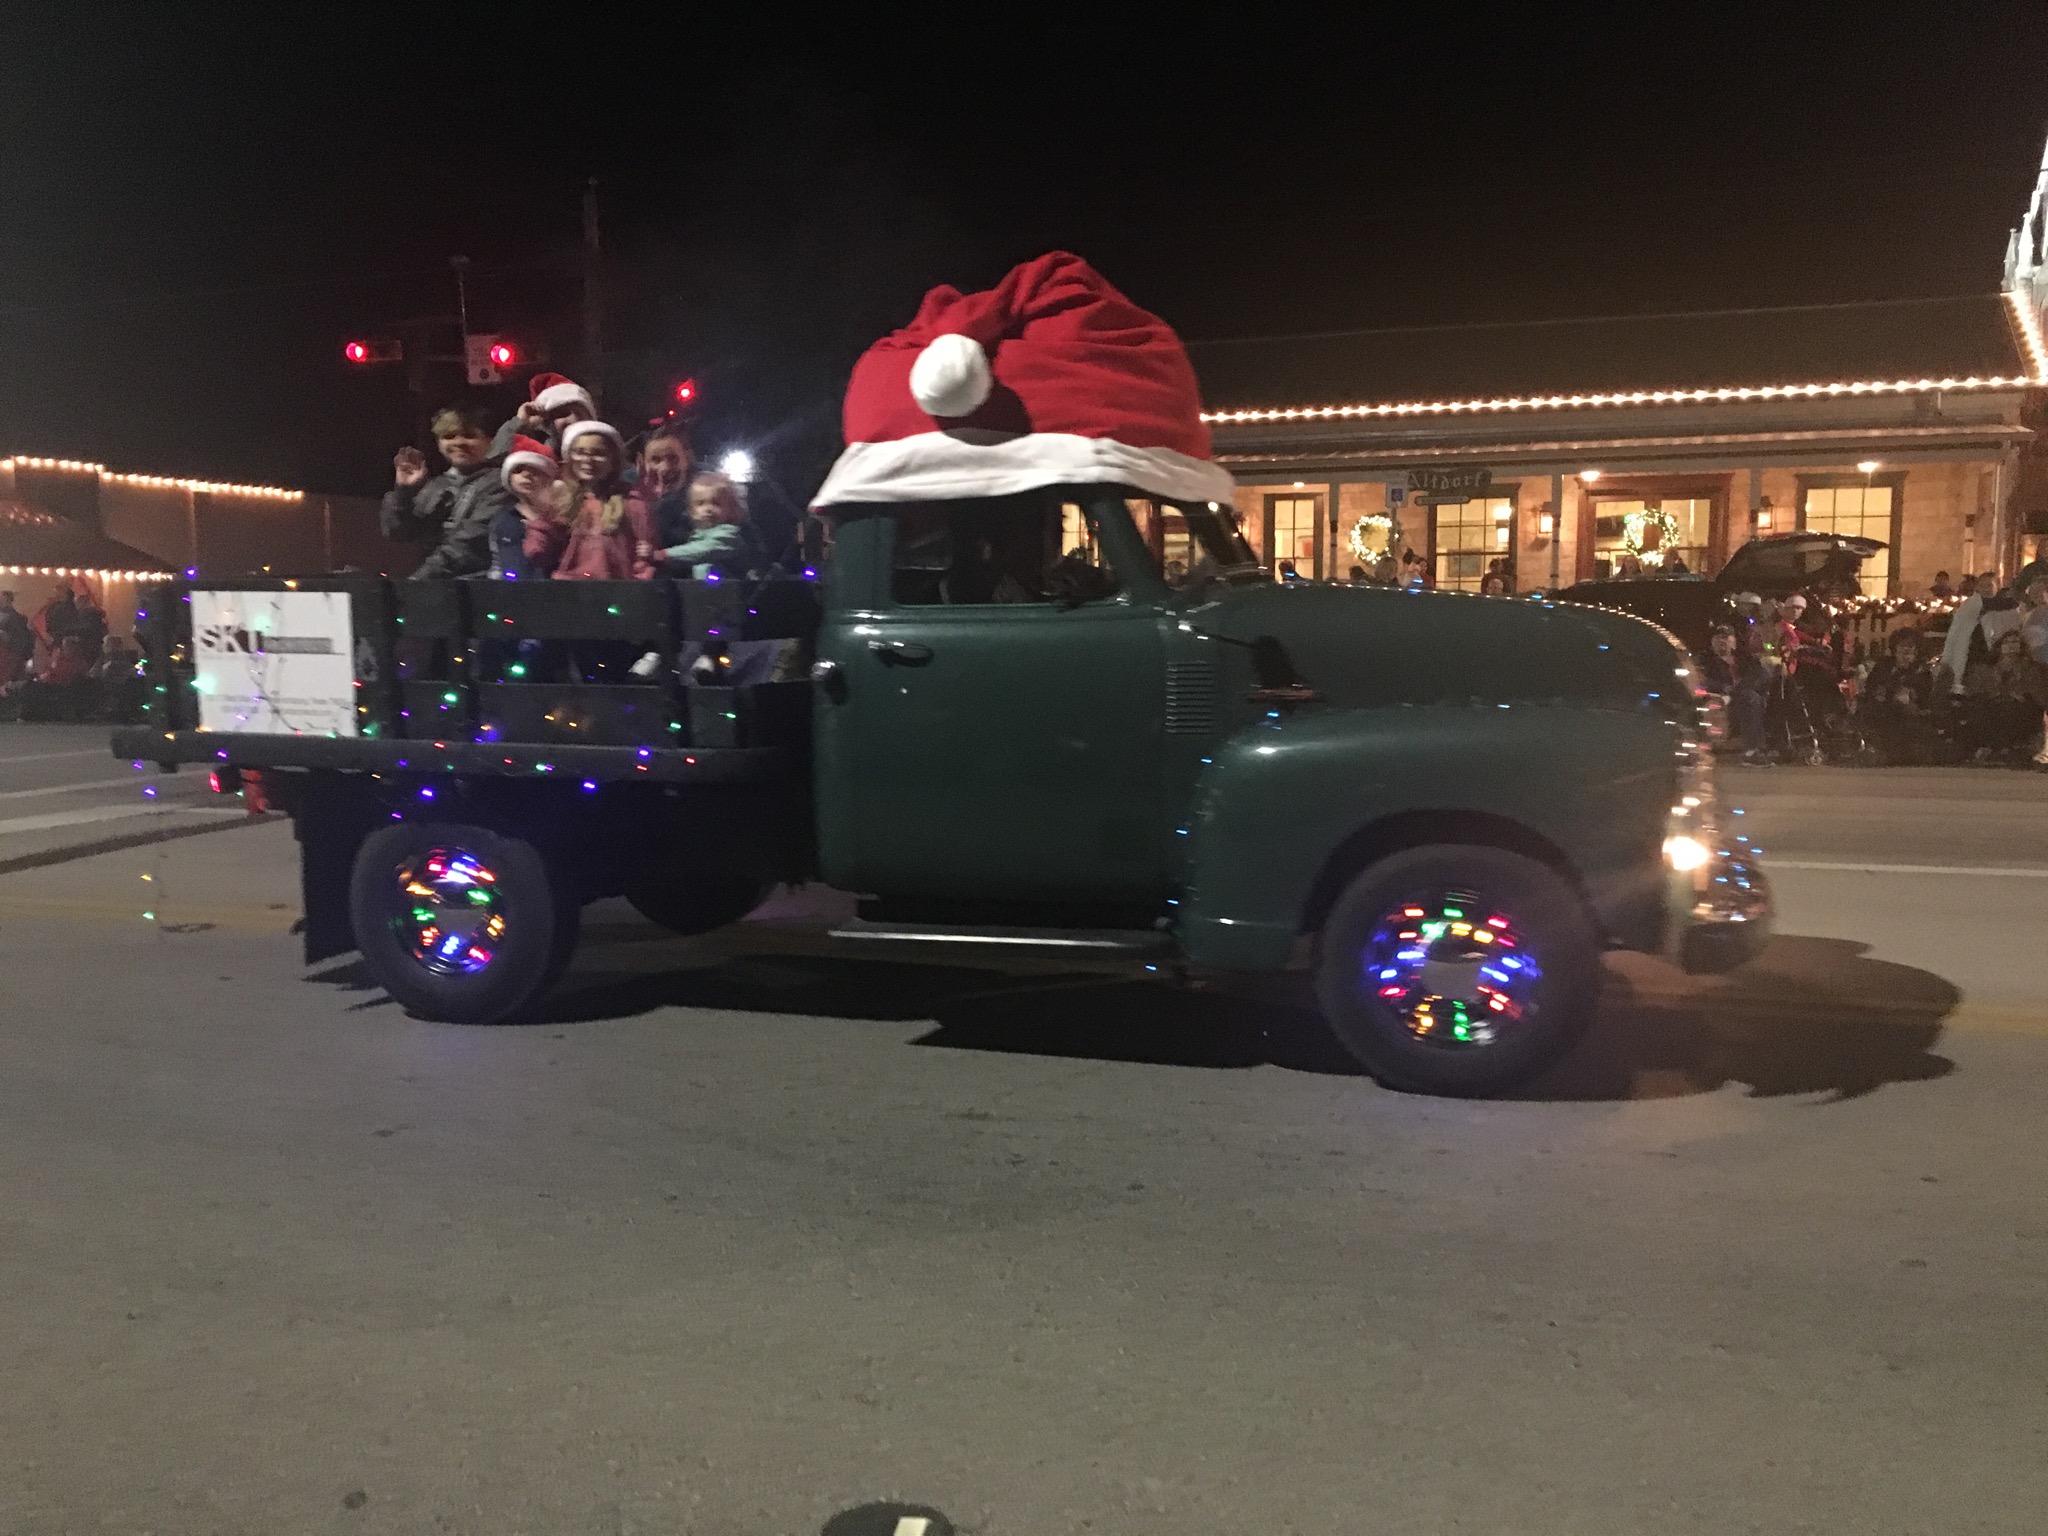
x,y
697,906
460,923
1459,970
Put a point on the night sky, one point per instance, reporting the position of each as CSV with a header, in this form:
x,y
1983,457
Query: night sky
x,y
201,205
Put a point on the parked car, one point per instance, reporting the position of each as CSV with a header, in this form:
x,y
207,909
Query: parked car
x,y
1822,565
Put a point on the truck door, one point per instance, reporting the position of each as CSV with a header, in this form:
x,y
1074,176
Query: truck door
x,y
994,729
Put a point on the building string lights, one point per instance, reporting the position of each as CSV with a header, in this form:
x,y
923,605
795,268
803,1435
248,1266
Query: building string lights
x,y
90,573
158,482
2029,323
1717,396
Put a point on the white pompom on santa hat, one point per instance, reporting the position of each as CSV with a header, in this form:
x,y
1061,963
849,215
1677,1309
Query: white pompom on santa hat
x,y
1052,377
951,376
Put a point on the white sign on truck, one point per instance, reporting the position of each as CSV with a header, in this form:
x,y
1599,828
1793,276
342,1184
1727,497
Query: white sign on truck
x,y
274,663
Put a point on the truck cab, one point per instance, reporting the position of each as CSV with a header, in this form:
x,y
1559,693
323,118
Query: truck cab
x,y
1026,731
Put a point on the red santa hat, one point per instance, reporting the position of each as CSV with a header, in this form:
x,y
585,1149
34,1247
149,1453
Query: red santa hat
x,y
1052,377
551,391
528,454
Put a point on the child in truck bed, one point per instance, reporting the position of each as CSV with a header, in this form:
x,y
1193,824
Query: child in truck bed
x,y
719,542
611,533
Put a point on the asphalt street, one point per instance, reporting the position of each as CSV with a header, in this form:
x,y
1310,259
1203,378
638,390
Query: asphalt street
x,y
59,790
749,1234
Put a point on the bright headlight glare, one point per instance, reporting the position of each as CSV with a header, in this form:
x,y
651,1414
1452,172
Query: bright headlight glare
x,y
1686,854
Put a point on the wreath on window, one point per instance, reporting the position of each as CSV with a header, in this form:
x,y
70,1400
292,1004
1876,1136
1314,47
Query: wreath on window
x,y
1634,525
1372,522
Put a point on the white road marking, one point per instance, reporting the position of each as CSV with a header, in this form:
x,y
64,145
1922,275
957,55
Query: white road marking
x,y
111,813
66,789
912,1525
2006,871
51,757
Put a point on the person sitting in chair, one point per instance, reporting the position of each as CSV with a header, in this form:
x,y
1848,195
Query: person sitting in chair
x,y
1896,712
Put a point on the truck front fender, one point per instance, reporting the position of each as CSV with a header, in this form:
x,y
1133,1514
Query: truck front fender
x,y
1285,812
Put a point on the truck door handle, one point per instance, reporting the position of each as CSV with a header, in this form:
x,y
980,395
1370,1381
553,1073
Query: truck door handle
x,y
901,653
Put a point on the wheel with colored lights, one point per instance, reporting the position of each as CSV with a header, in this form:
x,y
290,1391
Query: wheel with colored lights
x,y
697,906
459,923
1457,969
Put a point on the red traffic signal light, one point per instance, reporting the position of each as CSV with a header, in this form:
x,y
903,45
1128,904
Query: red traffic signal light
x,y
503,354
376,350
686,392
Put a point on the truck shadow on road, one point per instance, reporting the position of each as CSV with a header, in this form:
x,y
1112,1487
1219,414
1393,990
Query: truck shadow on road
x,y
1811,1017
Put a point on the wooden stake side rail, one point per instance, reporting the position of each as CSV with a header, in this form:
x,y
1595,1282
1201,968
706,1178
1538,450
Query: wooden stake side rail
x,y
597,764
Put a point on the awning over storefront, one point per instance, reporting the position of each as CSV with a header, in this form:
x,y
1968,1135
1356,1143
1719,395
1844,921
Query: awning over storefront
x,y
37,543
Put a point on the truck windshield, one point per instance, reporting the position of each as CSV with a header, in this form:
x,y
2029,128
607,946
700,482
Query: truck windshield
x,y
1192,540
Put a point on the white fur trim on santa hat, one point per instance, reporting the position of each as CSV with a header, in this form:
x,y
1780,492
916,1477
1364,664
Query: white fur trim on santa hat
x,y
951,376
585,428
555,396
529,460
945,466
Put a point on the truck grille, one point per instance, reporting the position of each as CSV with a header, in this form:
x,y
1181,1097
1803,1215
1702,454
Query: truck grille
x,y
1190,697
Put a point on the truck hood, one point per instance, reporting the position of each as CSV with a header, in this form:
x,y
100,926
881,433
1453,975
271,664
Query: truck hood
x,y
1368,647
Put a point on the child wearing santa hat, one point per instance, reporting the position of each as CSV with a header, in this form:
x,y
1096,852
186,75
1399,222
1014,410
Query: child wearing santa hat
x,y
527,537
554,403
610,530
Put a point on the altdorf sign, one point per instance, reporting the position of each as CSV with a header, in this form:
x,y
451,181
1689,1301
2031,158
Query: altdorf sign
x,y
1448,487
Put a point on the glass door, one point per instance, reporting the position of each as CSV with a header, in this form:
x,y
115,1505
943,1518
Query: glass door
x,y
1293,522
1470,536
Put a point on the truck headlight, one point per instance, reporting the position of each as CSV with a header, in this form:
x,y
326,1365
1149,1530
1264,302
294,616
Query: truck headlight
x,y
1692,831
1686,853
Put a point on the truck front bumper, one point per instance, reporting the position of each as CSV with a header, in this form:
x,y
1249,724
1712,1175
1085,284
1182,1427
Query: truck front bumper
x,y
1721,912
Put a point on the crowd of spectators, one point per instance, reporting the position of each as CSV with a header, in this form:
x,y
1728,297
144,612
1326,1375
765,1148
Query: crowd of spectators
x,y
1794,690
63,664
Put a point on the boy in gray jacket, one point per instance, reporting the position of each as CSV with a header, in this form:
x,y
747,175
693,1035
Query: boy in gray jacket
x,y
451,510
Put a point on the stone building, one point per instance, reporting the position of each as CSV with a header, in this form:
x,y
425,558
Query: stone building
x,y
68,521
1574,449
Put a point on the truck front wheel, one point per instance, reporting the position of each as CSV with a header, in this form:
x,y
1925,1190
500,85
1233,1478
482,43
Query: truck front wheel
x,y
1456,969
459,923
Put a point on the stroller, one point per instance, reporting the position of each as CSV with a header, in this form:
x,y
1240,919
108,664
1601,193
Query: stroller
x,y
1807,718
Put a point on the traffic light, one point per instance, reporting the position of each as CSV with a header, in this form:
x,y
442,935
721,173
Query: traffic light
x,y
686,392
487,356
383,349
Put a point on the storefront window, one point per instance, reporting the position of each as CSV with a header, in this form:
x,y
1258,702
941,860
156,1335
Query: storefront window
x,y
1469,537
1638,537
1860,510
1076,532
1293,520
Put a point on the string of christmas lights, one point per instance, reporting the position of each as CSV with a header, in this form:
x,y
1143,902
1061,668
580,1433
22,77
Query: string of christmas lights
x,y
91,573
1720,395
165,482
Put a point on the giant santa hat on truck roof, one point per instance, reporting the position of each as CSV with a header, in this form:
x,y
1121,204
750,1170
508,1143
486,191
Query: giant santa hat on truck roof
x,y
1051,377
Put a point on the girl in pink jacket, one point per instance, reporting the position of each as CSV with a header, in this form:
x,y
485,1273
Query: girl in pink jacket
x,y
611,532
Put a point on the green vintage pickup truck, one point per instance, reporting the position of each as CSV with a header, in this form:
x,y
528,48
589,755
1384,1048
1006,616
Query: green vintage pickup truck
x,y
1073,718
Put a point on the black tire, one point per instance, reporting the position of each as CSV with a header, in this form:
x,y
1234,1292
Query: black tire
x,y
537,938
697,906
1407,1043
